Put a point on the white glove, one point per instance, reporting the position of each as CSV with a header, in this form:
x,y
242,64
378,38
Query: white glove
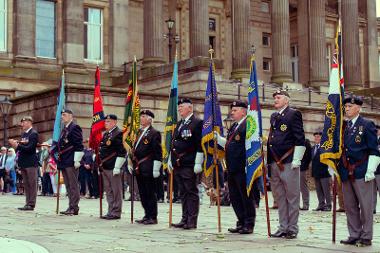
x,y
221,140
119,162
156,168
93,157
170,166
373,162
130,166
77,158
331,171
198,163
297,156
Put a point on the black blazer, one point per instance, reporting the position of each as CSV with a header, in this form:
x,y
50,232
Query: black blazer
x,y
187,142
286,131
149,146
27,155
70,141
235,149
305,162
112,143
318,169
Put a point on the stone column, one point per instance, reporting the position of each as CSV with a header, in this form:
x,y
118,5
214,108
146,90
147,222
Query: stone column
x,y
199,41
351,50
119,31
153,35
371,47
241,39
281,42
318,68
73,29
303,43
25,37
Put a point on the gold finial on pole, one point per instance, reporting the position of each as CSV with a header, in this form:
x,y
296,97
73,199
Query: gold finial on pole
x,y
134,57
211,52
252,52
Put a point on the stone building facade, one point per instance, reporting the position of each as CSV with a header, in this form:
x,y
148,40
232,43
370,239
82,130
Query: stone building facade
x,y
294,43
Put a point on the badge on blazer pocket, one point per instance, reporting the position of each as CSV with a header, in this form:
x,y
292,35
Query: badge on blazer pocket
x,y
108,142
358,139
283,127
145,141
237,137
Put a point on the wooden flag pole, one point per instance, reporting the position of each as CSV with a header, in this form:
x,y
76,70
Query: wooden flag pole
x,y
266,193
334,210
58,191
132,194
171,197
100,185
215,160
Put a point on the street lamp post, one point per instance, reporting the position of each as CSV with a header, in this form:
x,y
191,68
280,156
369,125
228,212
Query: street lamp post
x,y
5,107
170,36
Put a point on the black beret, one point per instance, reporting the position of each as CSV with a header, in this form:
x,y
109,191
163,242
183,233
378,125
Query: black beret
x,y
27,118
239,103
184,100
377,127
147,112
353,100
67,111
111,116
281,92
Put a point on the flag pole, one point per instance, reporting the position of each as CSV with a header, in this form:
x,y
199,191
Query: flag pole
x,y
100,183
215,160
171,197
334,209
58,191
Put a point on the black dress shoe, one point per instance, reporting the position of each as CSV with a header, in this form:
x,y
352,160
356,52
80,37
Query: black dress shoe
x,y
181,224
326,209
279,234
26,208
189,226
235,230
65,212
105,216
291,235
340,210
304,208
363,243
150,222
246,230
349,241
141,221
113,217
71,212
318,209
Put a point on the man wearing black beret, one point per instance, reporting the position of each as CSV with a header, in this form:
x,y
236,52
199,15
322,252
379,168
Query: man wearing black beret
x,y
147,159
286,148
112,156
27,161
186,158
234,144
70,153
358,163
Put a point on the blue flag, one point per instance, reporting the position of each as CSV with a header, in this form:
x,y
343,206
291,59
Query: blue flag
x,y
57,121
171,116
212,122
253,143
331,141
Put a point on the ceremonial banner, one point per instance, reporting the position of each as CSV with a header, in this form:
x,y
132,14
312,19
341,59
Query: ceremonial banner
x,y
171,116
212,122
131,123
253,139
57,121
97,115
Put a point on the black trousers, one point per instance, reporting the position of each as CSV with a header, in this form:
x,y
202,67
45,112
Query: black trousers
x,y
187,182
159,187
243,205
147,192
47,188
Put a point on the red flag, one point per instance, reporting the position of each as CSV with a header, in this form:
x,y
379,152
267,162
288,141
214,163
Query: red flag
x,y
98,115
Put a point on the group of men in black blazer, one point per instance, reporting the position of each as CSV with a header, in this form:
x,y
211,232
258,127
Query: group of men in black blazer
x,y
285,151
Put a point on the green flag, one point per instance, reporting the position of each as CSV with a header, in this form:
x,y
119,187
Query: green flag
x,y
171,116
131,123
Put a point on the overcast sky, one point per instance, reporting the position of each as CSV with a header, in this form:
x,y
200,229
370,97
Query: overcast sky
x,y
378,8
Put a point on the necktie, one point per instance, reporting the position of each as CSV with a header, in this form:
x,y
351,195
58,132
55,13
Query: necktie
x,y
2,160
349,124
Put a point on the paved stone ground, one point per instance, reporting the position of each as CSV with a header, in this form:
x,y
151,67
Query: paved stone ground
x,y
87,233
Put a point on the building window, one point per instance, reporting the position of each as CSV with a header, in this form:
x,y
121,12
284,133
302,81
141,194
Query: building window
x,y
93,35
212,25
266,39
294,61
45,28
266,64
3,25
264,7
